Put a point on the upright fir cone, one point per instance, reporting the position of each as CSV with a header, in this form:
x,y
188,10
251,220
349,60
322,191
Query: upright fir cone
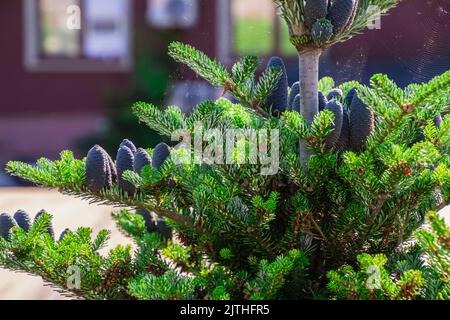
x,y
6,224
112,168
160,154
23,220
335,94
124,162
155,224
322,101
349,96
295,90
315,10
343,143
50,230
321,31
63,234
141,159
340,14
296,104
337,109
130,145
362,123
98,170
278,99
437,121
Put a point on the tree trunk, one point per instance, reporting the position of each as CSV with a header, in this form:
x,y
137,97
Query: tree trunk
x,y
309,105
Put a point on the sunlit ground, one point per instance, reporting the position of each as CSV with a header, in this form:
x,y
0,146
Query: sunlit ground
x,y
68,213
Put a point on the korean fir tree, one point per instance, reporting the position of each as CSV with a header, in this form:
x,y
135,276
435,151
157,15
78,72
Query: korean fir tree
x,y
249,216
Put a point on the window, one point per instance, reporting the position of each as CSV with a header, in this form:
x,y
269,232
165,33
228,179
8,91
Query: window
x,y
77,35
258,29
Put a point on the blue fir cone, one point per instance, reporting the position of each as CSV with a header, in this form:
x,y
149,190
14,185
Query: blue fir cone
x,y
162,228
336,108
150,224
63,234
296,103
50,230
141,159
438,121
321,31
340,14
124,162
130,145
343,143
314,10
112,168
362,123
295,90
335,94
278,99
6,224
322,101
160,154
153,223
349,96
23,220
98,172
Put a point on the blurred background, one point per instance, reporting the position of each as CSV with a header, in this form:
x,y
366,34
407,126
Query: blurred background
x,y
70,70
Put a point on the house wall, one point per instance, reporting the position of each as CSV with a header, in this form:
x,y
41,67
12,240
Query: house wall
x,y
42,113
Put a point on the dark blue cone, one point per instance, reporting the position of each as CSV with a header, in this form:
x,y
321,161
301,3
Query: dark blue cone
x,y
129,144
340,14
336,108
349,97
50,230
6,224
314,10
97,170
322,101
343,143
160,154
23,220
63,234
321,31
438,121
335,94
163,229
124,162
150,224
296,103
113,169
141,159
362,123
278,99
295,90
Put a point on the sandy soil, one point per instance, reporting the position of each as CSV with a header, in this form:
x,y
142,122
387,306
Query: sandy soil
x,y
68,213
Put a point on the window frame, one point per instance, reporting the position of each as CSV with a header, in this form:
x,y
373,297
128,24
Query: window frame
x,y
34,62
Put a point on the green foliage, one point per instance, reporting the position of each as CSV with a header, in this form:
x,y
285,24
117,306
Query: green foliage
x,y
418,271
372,281
241,234
59,263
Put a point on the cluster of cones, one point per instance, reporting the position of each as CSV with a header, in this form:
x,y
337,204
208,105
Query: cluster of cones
x,y
102,171
22,220
327,19
353,122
